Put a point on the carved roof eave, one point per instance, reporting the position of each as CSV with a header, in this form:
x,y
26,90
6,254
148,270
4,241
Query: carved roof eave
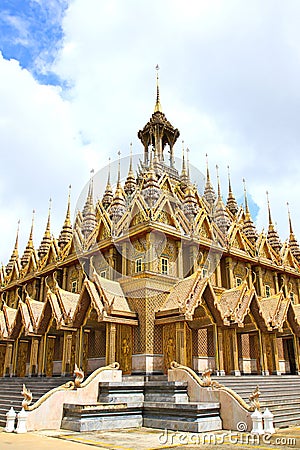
x,y
57,313
257,314
293,317
10,317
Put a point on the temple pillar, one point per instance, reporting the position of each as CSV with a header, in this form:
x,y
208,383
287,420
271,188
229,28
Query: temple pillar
x,y
69,353
218,340
42,356
183,344
229,272
124,259
50,343
8,360
179,260
124,347
218,275
33,365
111,264
111,334
259,282
14,360
265,354
276,283
2,359
297,353
64,280
21,358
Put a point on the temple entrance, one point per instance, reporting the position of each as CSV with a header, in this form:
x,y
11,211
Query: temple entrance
x,y
204,349
93,356
289,355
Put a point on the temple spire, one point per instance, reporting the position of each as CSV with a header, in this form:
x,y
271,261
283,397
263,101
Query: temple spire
x,y
157,104
231,201
108,194
269,209
209,193
130,183
248,226
89,216
272,234
118,206
29,247
293,243
221,216
184,179
46,241
66,232
15,254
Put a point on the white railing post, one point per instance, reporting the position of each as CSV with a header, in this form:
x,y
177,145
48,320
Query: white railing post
x,y
257,423
22,416
10,420
268,422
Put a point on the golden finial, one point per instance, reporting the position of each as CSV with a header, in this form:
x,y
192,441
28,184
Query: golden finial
x,y
130,163
269,209
207,169
32,223
119,168
229,181
49,215
290,220
157,104
188,161
218,178
245,196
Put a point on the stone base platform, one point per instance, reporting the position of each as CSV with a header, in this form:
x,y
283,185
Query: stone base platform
x,y
193,417
101,417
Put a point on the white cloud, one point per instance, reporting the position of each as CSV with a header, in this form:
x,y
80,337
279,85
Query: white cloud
x,y
40,154
229,81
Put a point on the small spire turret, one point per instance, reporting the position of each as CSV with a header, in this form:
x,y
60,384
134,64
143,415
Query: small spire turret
x,y
67,231
293,243
184,179
157,104
221,217
231,201
130,183
29,247
46,241
108,194
89,221
248,226
209,193
118,207
15,254
272,234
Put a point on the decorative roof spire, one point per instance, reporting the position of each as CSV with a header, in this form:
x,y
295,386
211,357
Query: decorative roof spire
x,y
151,190
15,254
117,207
221,216
130,183
157,104
184,179
29,247
209,193
272,234
46,241
89,215
248,226
231,201
108,194
190,205
66,232
293,243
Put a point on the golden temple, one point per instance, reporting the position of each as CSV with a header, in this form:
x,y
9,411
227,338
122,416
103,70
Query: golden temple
x,y
154,271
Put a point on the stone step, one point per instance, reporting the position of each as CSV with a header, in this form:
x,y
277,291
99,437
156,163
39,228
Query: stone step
x,y
102,416
191,417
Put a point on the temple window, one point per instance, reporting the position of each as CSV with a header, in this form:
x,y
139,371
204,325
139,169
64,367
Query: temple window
x,y
292,297
74,286
103,273
238,281
138,265
164,263
267,290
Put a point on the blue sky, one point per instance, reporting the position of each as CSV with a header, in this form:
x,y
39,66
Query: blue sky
x,y
31,32
77,81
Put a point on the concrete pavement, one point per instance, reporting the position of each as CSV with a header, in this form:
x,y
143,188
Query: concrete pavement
x,y
147,439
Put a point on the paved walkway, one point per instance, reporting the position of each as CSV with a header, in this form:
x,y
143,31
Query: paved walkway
x,y
147,439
